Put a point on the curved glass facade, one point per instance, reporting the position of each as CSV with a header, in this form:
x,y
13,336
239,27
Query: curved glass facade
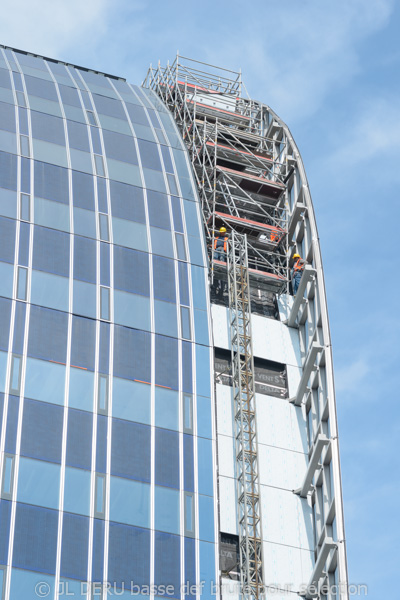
x,y
107,431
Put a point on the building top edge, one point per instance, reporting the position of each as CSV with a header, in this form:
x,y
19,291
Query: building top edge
x,y
61,62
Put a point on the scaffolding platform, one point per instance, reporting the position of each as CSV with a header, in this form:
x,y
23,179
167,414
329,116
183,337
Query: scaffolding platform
x,y
259,186
268,282
266,234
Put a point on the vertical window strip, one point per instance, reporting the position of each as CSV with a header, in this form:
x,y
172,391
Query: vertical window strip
x,y
22,280
25,145
189,514
15,379
188,413
104,303
102,397
185,323
7,482
103,227
24,207
100,496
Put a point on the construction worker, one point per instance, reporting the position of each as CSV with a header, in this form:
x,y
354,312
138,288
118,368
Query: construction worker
x,y
297,272
220,244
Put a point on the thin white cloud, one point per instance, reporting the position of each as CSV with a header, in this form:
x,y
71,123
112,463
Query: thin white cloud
x,y
50,27
351,377
297,53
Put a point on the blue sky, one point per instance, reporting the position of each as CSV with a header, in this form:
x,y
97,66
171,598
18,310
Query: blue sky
x,y
330,69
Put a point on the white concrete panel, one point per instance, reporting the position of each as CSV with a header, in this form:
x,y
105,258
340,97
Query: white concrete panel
x,y
275,341
281,468
293,377
228,505
286,567
275,420
224,399
230,590
299,429
305,520
285,303
286,518
220,326
226,456
272,339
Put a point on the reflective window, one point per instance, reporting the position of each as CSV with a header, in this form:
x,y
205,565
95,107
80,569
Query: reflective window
x,y
47,128
131,400
166,509
185,323
21,283
105,303
100,499
120,147
8,477
44,381
77,491
38,482
130,502
103,225
127,202
15,379
167,408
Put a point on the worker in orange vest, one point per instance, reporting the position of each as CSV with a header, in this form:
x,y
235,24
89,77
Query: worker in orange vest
x,y
220,245
297,272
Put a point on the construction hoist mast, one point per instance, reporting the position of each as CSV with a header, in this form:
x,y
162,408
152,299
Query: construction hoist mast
x,y
240,174
248,494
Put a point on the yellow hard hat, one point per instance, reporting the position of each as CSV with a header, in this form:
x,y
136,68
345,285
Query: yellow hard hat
x,y
296,256
222,230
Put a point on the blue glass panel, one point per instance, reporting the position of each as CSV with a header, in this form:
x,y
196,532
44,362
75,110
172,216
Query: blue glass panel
x,y
27,585
38,483
199,287
205,466
8,171
84,259
207,566
131,400
77,491
101,444
183,283
8,203
127,202
195,250
83,190
130,453
166,509
158,210
6,280
130,502
39,524
203,370
7,117
188,463
129,234
51,182
104,353
201,327
190,569
84,222
19,324
204,428
167,458
109,106
132,357
69,95
84,299
51,214
177,214
129,555
131,271
7,236
5,79
120,147
51,251
187,378
164,279
48,334
165,318
167,408
78,136
98,550
3,370
49,290
79,439
137,114
81,385
5,516
47,128
40,87
42,426
102,195
74,549
12,424
83,343
104,264
44,381
5,315
166,362
206,518
167,562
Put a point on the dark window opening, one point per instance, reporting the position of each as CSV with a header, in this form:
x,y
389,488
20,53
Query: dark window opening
x,y
270,377
229,559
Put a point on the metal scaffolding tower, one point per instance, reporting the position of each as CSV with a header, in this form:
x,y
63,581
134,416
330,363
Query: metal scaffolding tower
x,y
239,161
248,493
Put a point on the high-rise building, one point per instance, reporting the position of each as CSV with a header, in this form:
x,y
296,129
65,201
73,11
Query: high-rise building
x,y
168,424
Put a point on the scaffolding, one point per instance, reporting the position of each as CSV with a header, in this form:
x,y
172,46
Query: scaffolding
x,y
239,161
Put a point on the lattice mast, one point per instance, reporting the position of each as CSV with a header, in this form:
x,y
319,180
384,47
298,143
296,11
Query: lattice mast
x,y
248,492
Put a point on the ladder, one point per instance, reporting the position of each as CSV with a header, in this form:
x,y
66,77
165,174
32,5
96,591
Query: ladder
x,y
248,493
